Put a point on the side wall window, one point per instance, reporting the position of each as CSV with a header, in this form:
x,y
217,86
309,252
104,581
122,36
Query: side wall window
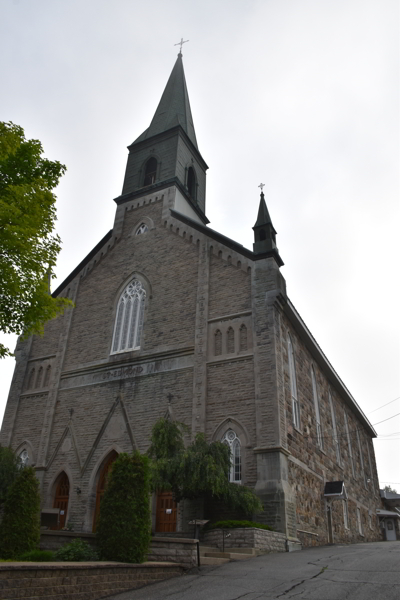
x,y
129,320
334,430
293,385
231,439
317,408
346,423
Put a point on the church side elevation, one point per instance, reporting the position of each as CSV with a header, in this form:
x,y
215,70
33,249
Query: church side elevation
x,y
174,318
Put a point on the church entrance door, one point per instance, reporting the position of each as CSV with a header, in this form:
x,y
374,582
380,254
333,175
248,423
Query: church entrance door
x,y
165,513
61,499
101,485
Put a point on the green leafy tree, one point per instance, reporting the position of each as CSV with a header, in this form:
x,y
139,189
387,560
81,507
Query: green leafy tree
x,y
20,527
28,248
200,470
124,527
9,469
388,488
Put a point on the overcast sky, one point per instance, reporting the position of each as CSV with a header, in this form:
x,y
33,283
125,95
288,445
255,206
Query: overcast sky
x,y
302,95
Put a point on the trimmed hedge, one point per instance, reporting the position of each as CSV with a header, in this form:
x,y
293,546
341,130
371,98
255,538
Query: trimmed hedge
x,y
232,524
76,551
123,529
20,527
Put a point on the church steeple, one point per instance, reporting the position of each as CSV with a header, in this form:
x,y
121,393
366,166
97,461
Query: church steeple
x,y
174,107
264,231
166,153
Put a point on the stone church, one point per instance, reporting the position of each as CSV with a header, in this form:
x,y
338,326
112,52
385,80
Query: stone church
x,y
171,317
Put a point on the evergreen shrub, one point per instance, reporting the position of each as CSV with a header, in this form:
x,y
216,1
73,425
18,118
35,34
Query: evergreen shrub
x,y
76,551
20,527
232,524
123,529
37,556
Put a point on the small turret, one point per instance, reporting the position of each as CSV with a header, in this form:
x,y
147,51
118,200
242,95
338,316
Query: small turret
x,y
264,232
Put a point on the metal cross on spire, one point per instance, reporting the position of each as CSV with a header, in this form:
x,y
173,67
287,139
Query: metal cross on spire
x,y
181,44
261,186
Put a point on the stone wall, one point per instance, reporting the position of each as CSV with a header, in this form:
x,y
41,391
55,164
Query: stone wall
x,y
177,550
78,581
246,537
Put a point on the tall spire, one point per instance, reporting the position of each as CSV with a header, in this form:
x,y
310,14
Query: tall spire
x,y
174,107
264,232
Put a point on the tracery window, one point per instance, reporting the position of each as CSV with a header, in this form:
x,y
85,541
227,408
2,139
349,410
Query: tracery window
x,y
24,458
150,171
141,229
129,319
317,408
231,439
293,385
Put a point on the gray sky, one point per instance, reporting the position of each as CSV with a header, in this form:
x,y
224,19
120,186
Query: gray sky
x,y
302,95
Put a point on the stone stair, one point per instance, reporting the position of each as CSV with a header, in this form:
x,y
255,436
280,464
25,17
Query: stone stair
x,y
210,555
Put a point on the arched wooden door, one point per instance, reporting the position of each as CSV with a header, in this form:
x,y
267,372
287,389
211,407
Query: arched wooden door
x,y
101,485
165,513
61,499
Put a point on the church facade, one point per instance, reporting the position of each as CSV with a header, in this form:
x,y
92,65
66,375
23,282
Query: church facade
x,y
174,318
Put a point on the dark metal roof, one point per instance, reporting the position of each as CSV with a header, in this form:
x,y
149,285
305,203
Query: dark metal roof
x,y
174,107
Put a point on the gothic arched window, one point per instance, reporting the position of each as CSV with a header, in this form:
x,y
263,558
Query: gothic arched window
x,y
218,343
142,229
243,338
230,341
293,385
191,183
231,439
150,171
317,408
47,376
31,379
24,458
39,378
129,320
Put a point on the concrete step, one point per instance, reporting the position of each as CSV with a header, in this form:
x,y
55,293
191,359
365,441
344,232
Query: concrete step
x,y
204,549
228,555
210,560
252,551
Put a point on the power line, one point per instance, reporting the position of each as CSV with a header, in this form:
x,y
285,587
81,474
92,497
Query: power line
x,y
388,419
383,405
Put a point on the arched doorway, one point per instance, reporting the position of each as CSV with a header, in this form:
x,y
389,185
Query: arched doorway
x,y
165,513
61,499
101,484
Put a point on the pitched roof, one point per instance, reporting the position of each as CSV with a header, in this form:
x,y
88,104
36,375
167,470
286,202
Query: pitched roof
x,y
174,107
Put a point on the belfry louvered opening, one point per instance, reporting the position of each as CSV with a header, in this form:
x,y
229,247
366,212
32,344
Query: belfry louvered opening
x,y
129,320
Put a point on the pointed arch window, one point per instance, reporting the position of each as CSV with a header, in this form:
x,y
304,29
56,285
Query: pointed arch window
x,y
47,376
39,378
230,341
31,379
336,439
191,183
231,439
129,320
150,171
218,343
243,338
293,385
24,458
317,408
142,229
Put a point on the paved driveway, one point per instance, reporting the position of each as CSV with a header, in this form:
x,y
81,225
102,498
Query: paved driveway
x,y
356,572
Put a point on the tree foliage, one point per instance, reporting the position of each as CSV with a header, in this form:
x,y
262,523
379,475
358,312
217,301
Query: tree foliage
x,y
388,488
20,527
200,470
28,248
124,527
9,469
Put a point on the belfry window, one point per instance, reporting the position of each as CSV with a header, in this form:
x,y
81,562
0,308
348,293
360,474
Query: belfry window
x,y
129,319
231,439
142,229
150,171
191,183
293,386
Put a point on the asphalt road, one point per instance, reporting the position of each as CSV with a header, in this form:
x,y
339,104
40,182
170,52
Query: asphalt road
x,y
356,572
